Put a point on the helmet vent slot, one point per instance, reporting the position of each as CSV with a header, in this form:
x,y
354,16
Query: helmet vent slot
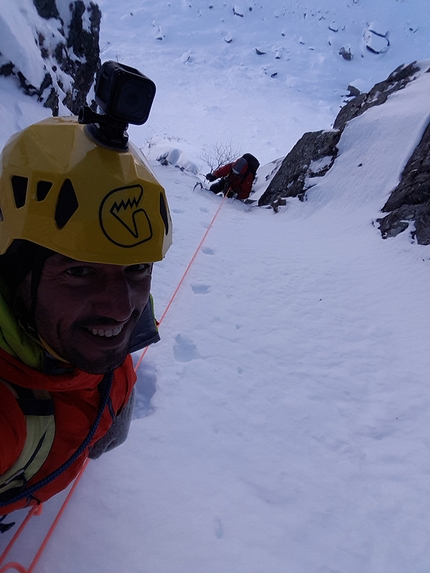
x,y
19,187
163,213
67,204
42,190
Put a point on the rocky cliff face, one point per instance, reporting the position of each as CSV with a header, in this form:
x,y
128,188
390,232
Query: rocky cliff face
x,y
314,154
311,157
410,200
55,53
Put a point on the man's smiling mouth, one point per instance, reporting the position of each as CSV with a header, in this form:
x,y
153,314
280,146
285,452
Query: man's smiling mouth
x,y
107,332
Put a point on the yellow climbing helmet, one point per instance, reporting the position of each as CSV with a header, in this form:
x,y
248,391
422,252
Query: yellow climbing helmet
x,y
63,191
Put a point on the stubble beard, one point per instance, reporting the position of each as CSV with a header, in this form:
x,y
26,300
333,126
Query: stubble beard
x,y
99,366
107,359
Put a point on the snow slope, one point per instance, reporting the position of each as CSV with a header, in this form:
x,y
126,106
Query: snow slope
x,y
282,422
211,91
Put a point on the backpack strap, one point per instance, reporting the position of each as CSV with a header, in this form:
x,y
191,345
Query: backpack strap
x,y
38,409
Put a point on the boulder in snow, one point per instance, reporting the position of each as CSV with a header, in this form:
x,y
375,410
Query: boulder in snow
x,y
346,53
356,87
238,10
376,38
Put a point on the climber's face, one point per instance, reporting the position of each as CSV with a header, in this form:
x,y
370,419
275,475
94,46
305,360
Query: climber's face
x,y
86,312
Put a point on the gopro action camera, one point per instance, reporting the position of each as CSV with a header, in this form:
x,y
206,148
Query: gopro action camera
x,y
125,96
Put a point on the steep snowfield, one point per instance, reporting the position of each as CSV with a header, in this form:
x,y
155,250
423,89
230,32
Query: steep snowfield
x,y
282,422
211,91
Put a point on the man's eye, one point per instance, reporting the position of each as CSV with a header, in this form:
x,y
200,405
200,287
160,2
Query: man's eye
x,y
77,271
143,269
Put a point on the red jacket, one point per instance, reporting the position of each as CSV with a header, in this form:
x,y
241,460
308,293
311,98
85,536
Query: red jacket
x,y
238,185
76,400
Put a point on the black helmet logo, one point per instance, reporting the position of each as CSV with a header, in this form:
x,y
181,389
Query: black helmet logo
x,y
122,218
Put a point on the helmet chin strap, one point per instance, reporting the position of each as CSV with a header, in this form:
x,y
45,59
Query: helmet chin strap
x,y
51,351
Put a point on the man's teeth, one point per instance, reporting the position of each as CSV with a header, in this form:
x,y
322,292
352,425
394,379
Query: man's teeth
x,y
108,332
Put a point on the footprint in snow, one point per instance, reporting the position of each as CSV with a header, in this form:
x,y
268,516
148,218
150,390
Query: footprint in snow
x,y
184,349
218,528
200,289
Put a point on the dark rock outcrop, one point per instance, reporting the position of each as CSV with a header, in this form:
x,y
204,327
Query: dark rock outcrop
x,y
408,203
311,157
69,54
410,200
378,95
46,8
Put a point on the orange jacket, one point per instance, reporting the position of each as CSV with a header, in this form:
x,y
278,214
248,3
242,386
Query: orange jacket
x,y
76,400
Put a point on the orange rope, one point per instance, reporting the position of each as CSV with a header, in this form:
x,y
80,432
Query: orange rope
x,y
57,519
36,509
183,278
18,567
13,565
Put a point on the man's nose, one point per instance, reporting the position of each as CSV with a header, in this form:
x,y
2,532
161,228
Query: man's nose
x,y
114,300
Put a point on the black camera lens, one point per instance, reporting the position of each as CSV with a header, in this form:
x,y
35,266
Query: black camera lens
x,y
133,101
130,100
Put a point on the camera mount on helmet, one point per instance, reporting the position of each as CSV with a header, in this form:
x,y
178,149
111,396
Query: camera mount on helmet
x,y
125,96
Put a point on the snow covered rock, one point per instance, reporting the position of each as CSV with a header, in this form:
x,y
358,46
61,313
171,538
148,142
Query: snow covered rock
x,y
51,48
376,38
378,94
175,152
238,10
158,32
356,87
315,153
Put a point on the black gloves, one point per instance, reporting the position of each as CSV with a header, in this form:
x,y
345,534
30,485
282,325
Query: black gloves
x,y
210,177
